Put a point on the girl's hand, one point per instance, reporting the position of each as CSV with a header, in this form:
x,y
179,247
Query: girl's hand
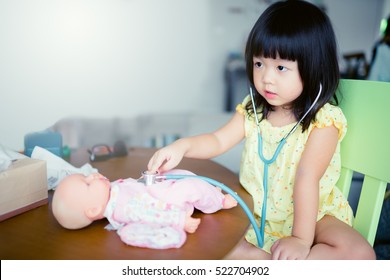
x,y
166,158
290,248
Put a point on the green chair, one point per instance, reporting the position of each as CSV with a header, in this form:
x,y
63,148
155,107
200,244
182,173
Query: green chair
x,y
366,148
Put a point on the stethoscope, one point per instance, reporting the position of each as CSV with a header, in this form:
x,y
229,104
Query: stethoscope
x,y
151,178
268,162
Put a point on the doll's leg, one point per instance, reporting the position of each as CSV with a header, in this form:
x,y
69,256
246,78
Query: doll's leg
x,y
229,202
335,239
191,224
193,193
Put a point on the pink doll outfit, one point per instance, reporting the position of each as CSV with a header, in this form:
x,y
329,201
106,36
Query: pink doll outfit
x,y
153,216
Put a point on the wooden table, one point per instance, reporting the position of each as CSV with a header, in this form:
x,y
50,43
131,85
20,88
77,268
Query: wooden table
x,y
36,234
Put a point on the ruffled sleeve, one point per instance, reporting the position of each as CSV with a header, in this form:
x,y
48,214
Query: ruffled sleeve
x,y
331,115
240,108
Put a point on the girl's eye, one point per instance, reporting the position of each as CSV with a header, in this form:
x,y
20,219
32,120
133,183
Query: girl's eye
x,y
282,68
258,64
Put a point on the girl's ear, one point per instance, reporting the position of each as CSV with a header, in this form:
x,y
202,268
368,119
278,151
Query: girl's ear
x,y
93,213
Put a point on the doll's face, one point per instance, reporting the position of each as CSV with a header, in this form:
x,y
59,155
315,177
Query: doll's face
x,y
79,200
93,189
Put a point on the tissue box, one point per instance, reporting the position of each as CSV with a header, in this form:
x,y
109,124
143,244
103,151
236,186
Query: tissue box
x,y
23,186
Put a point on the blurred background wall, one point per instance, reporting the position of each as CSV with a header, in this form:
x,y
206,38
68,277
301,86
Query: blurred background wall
x,y
123,58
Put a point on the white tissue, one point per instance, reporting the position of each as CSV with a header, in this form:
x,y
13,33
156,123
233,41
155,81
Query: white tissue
x,y
58,168
7,156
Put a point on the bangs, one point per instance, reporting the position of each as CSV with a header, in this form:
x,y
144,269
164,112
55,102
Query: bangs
x,y
274,45
286,33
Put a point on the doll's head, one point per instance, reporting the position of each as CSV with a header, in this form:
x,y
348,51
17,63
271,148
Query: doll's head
x,y
79,200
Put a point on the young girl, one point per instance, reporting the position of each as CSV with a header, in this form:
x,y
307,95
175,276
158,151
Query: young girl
x,y
292,67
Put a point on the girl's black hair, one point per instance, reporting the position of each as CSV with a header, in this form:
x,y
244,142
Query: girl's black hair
x,y
297,31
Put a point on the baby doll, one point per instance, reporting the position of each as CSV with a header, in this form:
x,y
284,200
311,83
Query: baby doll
x,y
156,216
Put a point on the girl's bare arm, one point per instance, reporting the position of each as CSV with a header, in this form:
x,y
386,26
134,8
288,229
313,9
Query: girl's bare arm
x,y
202,146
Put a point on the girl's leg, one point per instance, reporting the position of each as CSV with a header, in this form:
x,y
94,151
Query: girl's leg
x,y
336,240
246,251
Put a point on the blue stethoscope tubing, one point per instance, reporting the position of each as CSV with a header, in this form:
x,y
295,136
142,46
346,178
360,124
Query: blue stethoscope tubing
x,y
267,163
248,212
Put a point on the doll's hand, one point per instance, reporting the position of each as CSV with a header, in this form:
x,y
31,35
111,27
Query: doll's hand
x,y
290,248
166,158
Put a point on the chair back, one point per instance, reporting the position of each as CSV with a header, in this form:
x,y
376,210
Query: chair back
x,y
366,148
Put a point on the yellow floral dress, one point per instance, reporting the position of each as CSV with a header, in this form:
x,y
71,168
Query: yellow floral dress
x,y
281,173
